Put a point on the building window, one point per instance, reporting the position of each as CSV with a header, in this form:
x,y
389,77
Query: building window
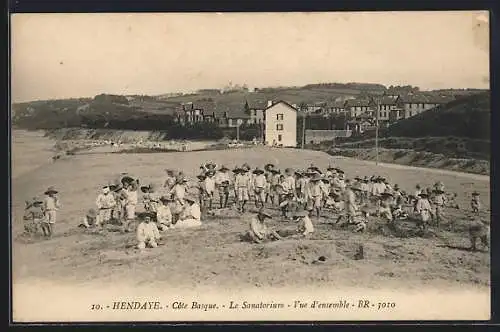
x,y
279,117
279,126
279,138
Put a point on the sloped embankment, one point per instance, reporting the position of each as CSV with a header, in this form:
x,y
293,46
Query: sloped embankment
x,y
416,158
124,136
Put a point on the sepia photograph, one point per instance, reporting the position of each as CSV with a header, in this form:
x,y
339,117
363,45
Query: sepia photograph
x,y
300,166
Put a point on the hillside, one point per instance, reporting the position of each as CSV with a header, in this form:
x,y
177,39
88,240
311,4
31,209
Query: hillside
x,y
465,117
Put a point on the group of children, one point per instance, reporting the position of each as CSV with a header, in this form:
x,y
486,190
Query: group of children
x,y
298,194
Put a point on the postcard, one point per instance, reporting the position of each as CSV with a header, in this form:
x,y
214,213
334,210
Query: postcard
x,y
181,167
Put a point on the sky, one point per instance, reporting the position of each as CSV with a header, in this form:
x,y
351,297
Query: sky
x,y
81,55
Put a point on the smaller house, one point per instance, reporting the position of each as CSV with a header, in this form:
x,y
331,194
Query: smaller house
x,y
355,107
386,105
414,104
256,111
317,107
338,107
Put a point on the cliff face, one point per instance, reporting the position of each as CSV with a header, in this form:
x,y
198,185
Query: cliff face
x,y
124,136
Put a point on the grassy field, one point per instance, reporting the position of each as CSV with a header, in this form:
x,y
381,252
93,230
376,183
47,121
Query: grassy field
x,y
214,255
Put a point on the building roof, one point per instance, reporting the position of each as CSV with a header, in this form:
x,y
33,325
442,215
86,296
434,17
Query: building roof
x,y
256,104
238,114
338,104
388,100
357,102
281,102
425,98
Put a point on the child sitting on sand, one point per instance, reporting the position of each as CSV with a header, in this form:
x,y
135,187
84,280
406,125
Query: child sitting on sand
x,y
147,232
91,219
163,214
305,226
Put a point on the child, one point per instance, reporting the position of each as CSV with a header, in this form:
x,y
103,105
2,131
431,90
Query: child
x,y
50,207
288,203
147,232
439,201
305,226
105,203
386,203
120,199
242,184
452,201
325,187
210,187
424,210
475,203
315,194
222,181
33,216
334,202
258,231
202,192
360,220
163,214
91,219
479,229
259,186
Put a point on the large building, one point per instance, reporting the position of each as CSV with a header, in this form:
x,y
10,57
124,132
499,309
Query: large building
x,y
281,124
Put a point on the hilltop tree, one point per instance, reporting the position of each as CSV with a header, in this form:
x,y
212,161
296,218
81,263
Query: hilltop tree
x,y
246,107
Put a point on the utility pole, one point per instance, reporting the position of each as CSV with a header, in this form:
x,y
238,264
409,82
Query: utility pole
x,y
303,130
376,129
238,132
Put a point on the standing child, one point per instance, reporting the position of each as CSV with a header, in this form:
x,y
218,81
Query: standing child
x,y
259,186
105,203
479,229
202,192
424,210
222,181
34,216
242,184
118,212
50,207
210,187
130,202
475,203
275,181
316,194
439,201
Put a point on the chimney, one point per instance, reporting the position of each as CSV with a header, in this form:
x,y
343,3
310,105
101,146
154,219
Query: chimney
x,y
269,103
